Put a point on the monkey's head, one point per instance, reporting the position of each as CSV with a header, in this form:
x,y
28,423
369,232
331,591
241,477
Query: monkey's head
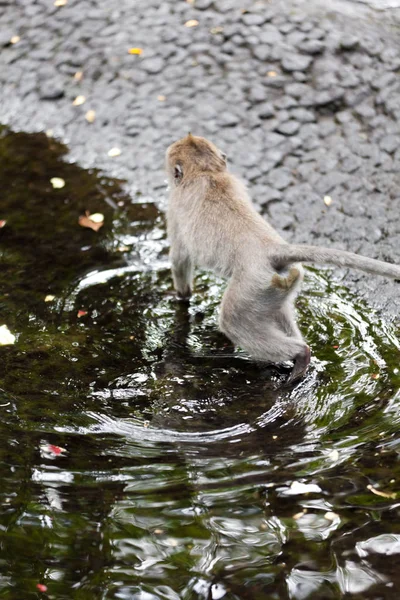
x,y
193,155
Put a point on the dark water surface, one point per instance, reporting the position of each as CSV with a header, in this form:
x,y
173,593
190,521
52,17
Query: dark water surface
x,y
186,471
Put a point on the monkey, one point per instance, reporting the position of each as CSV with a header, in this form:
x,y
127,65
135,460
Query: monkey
x,y
212,224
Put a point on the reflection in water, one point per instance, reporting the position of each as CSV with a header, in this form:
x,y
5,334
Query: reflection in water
x,y
141,456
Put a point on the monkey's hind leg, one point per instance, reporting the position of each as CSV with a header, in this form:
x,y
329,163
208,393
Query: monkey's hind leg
x,y
182,272
251,323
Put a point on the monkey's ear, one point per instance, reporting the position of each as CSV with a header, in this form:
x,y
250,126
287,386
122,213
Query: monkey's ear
x,y
178,173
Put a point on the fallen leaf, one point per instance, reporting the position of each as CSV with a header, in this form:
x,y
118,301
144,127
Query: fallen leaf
x,y
2,223
41,587
331,516
215,30
90,116
49,298
79,100
15,39
6,337
303,488
57,183
49,133
382,494
146,423
137,51
114,152
56,449
274,437
78,76
158,531
191,23
336,347
94,221
161,98
299,515
334,455
375,376
327,200
272,74
81,313
60,2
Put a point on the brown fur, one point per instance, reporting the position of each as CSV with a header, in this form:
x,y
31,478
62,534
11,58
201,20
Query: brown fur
x,y
213,225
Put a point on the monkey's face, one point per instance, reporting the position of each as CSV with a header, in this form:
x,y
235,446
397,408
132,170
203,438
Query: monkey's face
x,y
191,156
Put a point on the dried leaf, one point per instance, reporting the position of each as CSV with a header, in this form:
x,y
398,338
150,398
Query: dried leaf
x,y
375,376
57,183
90,116
81,313
15,39
382,494
86,220
6,337
327,200
114,152
331,516
2,223
161,98
299,515
60,2
79,100
49,133
49,298
215,30
191,23
78,76
137,51
272,74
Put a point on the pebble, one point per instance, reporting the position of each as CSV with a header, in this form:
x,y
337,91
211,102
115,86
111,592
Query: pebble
x,y
296,62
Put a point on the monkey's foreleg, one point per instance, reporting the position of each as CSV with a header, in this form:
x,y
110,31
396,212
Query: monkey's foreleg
x,y
182,272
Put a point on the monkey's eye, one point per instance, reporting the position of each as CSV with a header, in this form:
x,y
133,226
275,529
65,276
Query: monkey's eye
x,y
223,156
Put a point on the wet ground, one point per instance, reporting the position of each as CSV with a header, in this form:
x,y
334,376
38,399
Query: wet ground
x,y
140,455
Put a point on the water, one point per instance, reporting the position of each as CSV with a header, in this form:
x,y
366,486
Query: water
x,y
141,457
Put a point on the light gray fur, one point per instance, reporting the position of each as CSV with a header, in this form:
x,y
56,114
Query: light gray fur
x,y
213,225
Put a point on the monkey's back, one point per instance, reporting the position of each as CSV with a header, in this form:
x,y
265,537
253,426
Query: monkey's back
x,y
212,216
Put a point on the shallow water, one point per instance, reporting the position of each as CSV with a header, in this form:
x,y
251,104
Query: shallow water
x,y
141,457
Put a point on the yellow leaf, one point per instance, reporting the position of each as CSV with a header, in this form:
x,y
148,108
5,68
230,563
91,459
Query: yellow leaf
x,y
90,116
161,98
379,493
137,51
49,298
79,100
272,73
114,152
86,220
57,183
327,200
60,2
15,39
191,23
78,75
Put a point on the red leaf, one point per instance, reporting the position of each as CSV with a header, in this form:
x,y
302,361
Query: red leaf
x,y
55,449
2,223
41,587
82,313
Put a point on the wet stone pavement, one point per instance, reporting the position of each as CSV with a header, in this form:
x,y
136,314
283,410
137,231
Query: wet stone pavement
x,y
304,99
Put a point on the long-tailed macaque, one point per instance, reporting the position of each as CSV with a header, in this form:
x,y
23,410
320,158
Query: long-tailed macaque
x,y
213,225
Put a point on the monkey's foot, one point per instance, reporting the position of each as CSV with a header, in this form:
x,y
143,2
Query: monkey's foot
x,y
285,283
301,363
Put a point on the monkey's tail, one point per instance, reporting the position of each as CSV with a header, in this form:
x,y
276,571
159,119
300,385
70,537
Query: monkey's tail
x,y
290,253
